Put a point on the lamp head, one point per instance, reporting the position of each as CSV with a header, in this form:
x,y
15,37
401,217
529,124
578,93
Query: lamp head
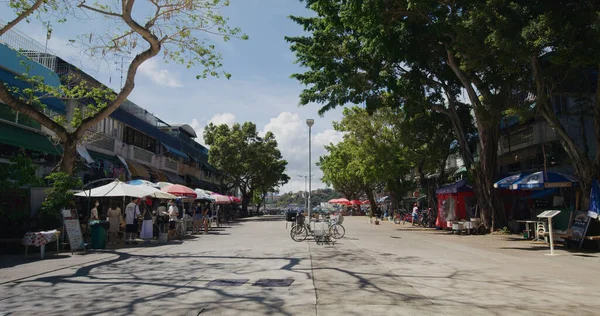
x,y
310,122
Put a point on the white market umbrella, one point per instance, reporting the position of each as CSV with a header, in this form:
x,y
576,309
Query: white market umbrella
x,y
118,188
203,195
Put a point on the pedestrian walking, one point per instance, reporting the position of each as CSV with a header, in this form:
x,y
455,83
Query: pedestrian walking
x,y
415,214
147,231
132,212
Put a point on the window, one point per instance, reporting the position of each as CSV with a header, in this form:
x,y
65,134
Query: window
x,y
139,139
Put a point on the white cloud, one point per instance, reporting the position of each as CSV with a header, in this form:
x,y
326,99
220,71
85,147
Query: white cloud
x,y
161,76
223,118
218,119
291,133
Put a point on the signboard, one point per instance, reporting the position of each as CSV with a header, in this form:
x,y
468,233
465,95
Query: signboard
x,y
73,229
548,214
580,226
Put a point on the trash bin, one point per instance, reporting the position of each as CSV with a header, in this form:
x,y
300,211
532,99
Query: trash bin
x,y
98,234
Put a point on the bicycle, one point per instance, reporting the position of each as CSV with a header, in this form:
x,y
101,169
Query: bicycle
x,y
336,230
299,230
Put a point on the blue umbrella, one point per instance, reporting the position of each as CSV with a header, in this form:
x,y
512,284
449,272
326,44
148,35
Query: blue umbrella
x,y
143,182
537,180
595,197
507,182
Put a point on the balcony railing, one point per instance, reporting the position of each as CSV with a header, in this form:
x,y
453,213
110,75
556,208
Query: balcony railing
x,y
169,164
142,155
29,47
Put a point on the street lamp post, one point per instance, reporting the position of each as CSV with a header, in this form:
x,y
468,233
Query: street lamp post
x,y
310,123
305,193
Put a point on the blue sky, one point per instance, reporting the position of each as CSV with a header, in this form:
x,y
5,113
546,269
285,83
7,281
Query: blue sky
x,y
260,89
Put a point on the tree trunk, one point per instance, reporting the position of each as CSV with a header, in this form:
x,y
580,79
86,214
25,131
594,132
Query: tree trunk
x,y
245,202
371,198
585,169
69,156
490,205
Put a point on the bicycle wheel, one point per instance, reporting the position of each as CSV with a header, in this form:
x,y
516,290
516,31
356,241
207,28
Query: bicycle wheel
x,y
298,233
337,231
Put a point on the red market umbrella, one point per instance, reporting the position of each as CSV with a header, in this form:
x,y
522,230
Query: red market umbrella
x,y
355,202
180,190
365,202
235,199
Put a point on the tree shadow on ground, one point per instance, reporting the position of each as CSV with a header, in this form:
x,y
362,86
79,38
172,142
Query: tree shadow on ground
x,y
131,281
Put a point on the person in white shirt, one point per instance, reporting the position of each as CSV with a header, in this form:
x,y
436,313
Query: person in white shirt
x,y
132,212
415,213
173,215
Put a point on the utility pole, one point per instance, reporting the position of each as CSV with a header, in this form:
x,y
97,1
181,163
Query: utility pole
x,y
310,123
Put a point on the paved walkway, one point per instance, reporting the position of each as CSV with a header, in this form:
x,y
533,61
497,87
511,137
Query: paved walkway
x,y
377,270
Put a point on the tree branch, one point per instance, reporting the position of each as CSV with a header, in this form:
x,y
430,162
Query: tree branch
x,y
107,13
32,112
139,59
21,16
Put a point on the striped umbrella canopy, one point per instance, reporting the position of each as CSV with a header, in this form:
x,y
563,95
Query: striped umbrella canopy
x,y
163,184
221,199
180,190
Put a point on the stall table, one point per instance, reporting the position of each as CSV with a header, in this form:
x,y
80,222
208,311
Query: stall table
x,y
529,231
40,239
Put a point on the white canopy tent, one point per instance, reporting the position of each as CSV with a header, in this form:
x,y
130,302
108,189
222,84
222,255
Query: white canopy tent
x,y
118,188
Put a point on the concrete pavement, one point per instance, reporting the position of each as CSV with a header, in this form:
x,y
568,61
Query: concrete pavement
x,y
376,270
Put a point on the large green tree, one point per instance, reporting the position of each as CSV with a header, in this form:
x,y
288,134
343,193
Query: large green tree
x,y
559,42
247,161
394,53
337,170
181,31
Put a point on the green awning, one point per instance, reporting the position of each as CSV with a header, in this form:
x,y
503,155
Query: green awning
x,y
28,139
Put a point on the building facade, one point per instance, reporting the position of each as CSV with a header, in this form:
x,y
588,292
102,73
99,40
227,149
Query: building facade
x,y
131,143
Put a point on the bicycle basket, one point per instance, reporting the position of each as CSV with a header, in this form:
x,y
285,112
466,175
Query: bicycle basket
x,y
321,229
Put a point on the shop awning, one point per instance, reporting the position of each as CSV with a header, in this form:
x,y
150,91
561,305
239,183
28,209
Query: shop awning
x,y
175,179
460,186
28,139
194,182
156,175
176,152
82,151
138,171
208,167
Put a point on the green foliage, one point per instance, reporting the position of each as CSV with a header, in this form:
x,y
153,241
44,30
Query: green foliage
x,y
183,31
16,178
316,198
248,161
19,173
59,196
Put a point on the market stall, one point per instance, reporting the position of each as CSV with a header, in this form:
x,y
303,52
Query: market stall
x,y
452,204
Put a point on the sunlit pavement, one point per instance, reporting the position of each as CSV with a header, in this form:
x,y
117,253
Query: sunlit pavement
x,y
254,268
